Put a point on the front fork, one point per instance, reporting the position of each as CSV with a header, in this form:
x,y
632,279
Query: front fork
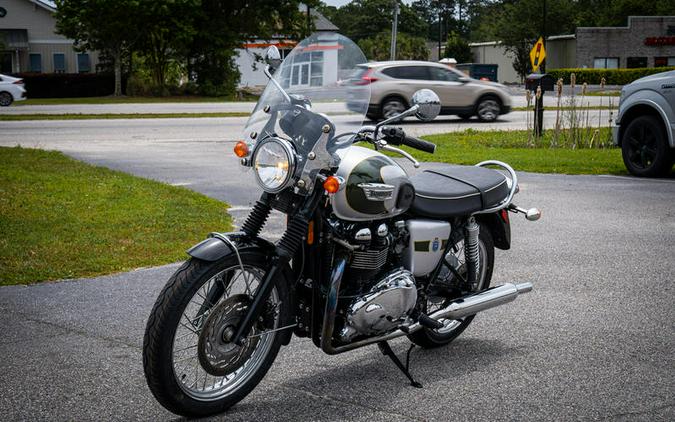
x,y
285,250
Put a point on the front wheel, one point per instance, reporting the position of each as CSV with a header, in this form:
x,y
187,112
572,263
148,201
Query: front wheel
x,y
190,365
434,300
5,99
644,148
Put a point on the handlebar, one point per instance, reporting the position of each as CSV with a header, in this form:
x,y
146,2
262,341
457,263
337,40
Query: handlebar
x,y
396,136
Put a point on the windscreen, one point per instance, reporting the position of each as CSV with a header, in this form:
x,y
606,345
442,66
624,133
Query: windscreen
x,y
316,76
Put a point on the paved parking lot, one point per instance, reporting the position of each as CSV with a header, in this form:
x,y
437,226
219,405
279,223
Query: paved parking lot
x,y
594,340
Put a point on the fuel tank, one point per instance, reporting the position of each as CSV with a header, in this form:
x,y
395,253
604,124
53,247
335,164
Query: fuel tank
x,y
375,186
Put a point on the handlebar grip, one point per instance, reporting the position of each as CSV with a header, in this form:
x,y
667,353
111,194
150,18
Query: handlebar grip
x,y
419,144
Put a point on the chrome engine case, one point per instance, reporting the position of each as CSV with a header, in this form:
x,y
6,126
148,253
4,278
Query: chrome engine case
x,y
383,308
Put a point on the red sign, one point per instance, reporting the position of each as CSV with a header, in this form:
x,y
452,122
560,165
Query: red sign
x,y
659,41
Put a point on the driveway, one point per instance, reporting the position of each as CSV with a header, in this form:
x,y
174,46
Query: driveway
x,y
594,340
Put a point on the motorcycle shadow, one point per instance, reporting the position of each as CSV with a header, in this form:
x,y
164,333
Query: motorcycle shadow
x,y
337,388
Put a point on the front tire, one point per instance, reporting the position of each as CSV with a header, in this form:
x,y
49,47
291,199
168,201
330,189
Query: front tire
x,y
431,338
644,148
186,336
488,109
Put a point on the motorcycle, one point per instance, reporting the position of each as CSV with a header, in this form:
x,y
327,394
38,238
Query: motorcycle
x,y
369,254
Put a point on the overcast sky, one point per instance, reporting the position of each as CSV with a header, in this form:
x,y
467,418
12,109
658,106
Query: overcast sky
x,y
343,2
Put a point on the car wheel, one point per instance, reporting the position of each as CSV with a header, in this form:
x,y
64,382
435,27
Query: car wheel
x,y
645,149
465,116
392,107
488,109
5,99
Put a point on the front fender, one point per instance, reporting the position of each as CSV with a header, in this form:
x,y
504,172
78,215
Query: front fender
x,y
213,249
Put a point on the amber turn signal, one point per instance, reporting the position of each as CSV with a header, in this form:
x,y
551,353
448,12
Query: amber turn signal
x,y
241,149
332,184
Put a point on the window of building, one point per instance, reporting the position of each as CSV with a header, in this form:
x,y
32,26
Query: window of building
x,y
306,70
664,61
83,63
634,62
6,62
35,62
408,72
606,63
59,63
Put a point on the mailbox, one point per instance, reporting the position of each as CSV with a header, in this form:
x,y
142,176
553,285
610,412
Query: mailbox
x,y
544,80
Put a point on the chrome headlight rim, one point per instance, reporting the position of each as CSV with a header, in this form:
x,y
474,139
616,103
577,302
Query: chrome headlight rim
x,y
290,155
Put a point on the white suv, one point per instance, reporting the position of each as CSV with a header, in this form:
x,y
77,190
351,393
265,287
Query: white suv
x,y
11,89
645,125
393,83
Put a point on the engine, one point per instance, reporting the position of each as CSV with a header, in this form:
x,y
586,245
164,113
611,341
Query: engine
x,y
377,293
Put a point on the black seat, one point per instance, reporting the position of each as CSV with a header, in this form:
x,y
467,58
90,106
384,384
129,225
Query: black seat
x,y
456,191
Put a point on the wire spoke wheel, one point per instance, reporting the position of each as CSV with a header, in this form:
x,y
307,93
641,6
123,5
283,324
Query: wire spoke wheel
x,y
196,328
448,287
191,365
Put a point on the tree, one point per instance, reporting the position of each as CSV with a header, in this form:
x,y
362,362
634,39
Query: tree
x,y
458,49
407,47
223,26
360,19
110,26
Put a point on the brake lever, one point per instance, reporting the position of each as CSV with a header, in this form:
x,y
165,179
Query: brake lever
x,y
383,145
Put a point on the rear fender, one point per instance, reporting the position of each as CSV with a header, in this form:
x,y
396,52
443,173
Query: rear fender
x,y
213,249
500,227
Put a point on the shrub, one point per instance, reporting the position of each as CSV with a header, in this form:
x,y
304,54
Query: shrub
x,y
69,85
612,76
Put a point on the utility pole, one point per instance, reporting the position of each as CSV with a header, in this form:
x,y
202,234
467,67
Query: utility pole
x,y
440,34
543,36
394,27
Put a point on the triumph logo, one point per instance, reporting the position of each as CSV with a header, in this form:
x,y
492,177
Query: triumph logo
x,y
434,245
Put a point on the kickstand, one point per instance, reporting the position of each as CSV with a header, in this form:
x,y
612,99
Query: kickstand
x,y
386,350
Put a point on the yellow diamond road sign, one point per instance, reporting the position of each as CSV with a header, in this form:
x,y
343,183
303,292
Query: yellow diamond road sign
x,y
537,54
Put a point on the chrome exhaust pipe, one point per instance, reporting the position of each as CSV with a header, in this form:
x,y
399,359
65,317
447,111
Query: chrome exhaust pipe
x,y
491,298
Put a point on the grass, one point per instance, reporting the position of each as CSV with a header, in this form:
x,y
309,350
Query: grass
x,y
604,94
133,100
471,147
60,218
116,116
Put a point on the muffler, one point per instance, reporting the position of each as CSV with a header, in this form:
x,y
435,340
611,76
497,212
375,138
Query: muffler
x,y
490,298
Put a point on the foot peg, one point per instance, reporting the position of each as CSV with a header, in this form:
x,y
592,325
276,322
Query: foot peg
x,y
386,350
428,322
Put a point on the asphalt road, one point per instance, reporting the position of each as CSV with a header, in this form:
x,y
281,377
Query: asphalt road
x,y
594,340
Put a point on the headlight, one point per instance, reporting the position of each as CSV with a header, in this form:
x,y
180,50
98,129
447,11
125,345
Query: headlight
x,y
274,164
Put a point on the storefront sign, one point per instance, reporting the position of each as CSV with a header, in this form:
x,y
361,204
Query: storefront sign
x,y
659,41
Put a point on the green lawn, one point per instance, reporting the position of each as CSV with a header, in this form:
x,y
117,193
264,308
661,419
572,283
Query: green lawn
x,y
471,147
60,218
115,116
131,100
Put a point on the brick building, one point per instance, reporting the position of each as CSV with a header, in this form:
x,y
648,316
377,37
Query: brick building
x,y
647,41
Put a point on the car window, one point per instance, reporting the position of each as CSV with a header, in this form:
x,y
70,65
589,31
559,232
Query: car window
x,y
440,74
408,72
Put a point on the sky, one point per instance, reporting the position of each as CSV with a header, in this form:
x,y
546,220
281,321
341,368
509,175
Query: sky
x,y
339,3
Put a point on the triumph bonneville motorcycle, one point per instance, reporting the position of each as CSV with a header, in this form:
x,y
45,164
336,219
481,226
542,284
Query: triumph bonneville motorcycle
x,y
368,254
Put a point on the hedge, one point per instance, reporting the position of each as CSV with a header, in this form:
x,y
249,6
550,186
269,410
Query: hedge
x,y
612,76
68,85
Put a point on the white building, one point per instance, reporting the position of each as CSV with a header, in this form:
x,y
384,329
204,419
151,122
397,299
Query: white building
x,y
250,64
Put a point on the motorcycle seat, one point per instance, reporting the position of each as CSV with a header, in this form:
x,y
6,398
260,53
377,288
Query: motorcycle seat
x,y
456,191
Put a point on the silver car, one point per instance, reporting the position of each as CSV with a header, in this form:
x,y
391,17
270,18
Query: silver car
x,y
645,125
394,82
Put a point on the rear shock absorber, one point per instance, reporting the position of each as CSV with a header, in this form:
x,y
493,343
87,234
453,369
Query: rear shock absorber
x,y
471,252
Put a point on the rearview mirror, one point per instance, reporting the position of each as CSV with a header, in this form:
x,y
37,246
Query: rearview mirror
x,y
428,104
464,79
273,57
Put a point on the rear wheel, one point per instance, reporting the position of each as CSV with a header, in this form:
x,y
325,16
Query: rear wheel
x,y
393,106
644,148
429,338
6,99
190,365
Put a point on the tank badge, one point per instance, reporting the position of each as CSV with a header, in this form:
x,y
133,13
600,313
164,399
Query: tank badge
x,y
434,245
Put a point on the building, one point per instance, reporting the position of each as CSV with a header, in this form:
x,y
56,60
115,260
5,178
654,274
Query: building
x,y
29,42
646,41
249,58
